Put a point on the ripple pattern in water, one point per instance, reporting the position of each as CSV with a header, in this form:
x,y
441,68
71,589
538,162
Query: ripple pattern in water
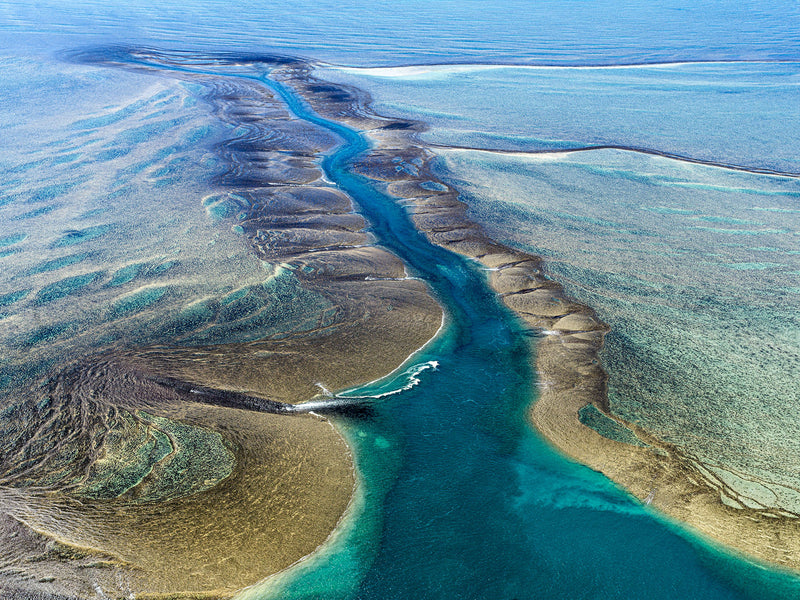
x,y
446,31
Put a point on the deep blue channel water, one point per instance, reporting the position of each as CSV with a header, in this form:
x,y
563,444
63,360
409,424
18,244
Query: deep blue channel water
x,y
460,498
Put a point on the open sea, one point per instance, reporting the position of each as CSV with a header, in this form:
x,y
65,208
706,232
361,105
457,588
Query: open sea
x,y
647,151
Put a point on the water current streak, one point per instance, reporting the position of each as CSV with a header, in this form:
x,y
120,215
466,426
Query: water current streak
x,y
638,150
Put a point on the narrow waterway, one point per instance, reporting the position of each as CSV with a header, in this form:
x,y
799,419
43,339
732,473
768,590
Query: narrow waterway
x,y
459,497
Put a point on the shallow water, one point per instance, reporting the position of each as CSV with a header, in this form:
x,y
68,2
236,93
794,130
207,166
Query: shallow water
x,y
736,113
120,246
696,270
695,267
501,514
109,233
460,498
365,32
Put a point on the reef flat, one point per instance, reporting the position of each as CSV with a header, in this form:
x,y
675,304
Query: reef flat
x,y
570,408
119,477
133,443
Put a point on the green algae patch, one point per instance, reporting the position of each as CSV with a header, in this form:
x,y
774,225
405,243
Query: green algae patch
x,y
279,306
137,301
742,231
172,168
94,212
66,158
10,298
38,212
224,206
219,208
112,154
110,118
197,134
162,268
590,416
192,317
126,274
78,236
151,459
45,334
144,133
754,266
243,306
726,220
200,460
668,210
51,192
131,448
235,295
132,271
8,199
10,240
433,186
65,287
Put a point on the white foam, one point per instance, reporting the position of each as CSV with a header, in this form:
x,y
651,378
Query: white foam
x,y
325,391
412,380
410,357
406,278
418,71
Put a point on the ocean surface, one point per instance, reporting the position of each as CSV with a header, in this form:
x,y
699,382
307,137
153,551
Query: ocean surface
x,y
681,231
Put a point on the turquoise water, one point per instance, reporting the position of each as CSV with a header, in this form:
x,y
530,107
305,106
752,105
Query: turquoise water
x,y
694,266
460,499
465,500
696,269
